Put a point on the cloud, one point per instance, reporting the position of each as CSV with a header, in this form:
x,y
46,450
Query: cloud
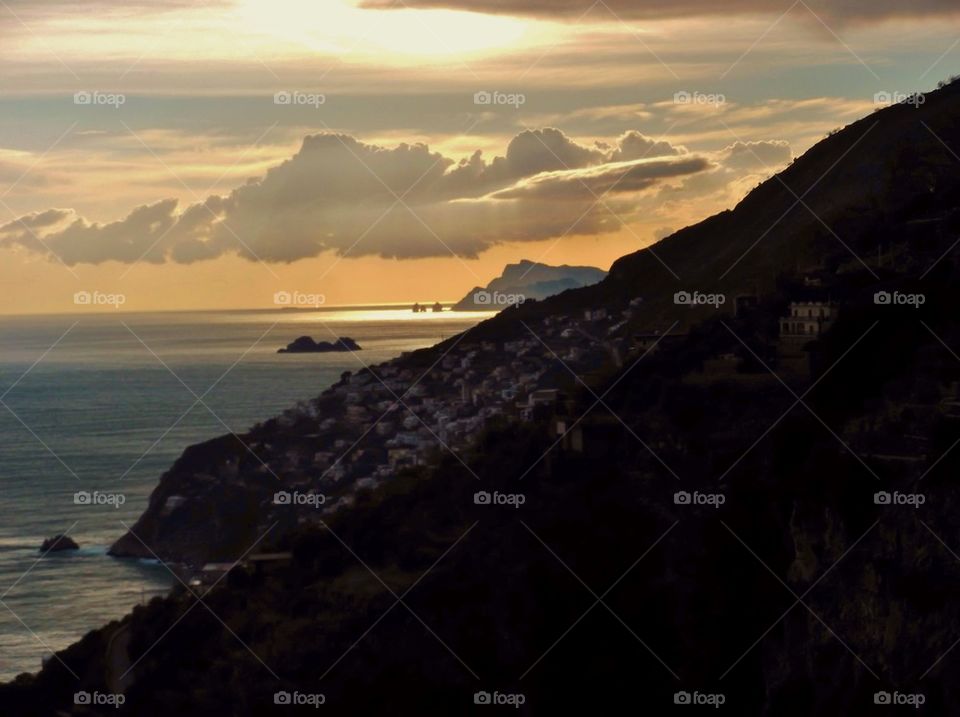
x,y
633,145
132,6
757,155
734,171
84,242
830,10
340,194
40,221
616,177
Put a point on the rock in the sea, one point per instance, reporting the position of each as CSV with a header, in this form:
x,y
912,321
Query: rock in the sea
x,y
58,543
306,345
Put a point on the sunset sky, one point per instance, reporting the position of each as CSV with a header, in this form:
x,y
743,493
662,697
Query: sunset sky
x,y
206,154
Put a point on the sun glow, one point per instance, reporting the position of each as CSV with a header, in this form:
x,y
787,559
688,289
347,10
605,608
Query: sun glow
x,y
340,27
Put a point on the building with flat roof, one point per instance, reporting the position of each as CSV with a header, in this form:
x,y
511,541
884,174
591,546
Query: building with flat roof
x,y
807,320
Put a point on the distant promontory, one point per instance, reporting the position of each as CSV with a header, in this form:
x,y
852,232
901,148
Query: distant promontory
x,y
306,345
528,280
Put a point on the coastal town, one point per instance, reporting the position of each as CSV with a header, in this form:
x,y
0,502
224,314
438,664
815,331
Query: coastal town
x,y
380,420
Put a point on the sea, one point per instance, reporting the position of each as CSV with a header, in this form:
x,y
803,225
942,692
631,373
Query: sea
x,y
101,405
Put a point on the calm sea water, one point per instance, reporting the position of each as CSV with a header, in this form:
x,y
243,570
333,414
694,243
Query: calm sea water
x,y
96,403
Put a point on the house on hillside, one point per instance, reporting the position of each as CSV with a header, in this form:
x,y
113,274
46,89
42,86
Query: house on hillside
x,y
805,322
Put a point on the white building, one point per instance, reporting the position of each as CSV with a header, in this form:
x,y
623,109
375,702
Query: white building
x,y
807,319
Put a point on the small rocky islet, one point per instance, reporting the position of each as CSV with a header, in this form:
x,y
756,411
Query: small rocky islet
x,y
58,544
306,345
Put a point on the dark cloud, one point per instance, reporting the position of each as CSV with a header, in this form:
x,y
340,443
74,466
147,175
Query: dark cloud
x,y
338,193
836,10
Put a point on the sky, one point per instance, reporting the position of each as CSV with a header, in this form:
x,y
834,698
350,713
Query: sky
x,y
189,154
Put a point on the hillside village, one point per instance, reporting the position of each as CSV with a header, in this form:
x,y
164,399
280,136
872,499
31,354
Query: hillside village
x,y
380,420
